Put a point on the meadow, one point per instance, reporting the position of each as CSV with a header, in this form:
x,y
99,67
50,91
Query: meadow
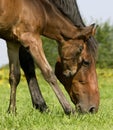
x,y
28,118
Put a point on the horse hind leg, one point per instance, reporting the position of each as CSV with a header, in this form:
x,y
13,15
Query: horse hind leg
x,y
28,67
14,74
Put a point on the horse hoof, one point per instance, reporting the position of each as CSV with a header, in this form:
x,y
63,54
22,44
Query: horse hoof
x,y
42,107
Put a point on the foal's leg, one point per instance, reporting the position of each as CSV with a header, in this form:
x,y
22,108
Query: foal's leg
x,y
33,43
28,67
14,75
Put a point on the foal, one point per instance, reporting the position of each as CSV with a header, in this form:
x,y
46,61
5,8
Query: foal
x,y
22,22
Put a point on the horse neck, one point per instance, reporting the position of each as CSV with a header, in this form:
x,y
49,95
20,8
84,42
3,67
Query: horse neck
x,y
57,27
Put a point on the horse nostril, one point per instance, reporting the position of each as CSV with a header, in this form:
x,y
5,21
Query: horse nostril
x,y
92,110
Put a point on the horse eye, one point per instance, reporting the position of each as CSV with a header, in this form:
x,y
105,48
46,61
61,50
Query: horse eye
x,y
86,63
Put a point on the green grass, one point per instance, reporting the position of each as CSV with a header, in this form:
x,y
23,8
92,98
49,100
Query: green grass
x,y
28,118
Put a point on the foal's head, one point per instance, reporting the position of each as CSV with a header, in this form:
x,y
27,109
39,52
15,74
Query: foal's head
x,y
72,48
81,84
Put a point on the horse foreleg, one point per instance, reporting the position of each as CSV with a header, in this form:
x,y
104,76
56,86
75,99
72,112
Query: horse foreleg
x,y
34,44
14,74
28,67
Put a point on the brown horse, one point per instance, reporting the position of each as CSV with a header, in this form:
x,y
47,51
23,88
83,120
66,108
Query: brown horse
x,y
21,23
83,86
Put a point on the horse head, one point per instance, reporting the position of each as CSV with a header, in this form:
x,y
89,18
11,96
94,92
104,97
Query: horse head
x,y
71,50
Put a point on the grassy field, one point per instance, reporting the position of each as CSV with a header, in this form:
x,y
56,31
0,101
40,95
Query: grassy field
x,y
28,118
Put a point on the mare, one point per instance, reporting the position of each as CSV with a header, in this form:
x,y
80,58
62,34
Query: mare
x,y
22,22
82,87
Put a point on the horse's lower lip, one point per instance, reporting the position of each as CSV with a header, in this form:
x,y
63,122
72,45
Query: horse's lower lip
x,y
69,74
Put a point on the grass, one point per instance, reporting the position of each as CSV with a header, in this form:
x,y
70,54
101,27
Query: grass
x,y
28,118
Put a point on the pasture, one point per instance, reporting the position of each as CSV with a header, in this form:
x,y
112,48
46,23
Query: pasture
x,y
28,118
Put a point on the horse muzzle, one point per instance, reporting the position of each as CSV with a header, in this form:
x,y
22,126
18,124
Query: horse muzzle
x,y
69,73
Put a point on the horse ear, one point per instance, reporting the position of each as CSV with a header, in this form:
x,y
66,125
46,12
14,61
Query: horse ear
x,y
86,32
94,28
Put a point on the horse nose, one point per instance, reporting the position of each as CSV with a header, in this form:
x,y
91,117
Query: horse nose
x,y
92,109
69,73
82,109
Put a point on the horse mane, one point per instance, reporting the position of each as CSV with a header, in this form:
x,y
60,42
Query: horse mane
x,y
70,9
